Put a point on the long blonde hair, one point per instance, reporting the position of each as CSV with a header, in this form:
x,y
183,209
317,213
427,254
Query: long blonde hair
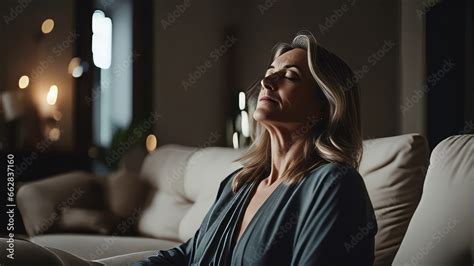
x,y
337,137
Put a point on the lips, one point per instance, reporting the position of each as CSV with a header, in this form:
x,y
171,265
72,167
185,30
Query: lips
x,y
268,98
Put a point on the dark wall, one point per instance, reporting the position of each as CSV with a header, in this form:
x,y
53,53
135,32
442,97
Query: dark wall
x,y
449,67
184,38
355,30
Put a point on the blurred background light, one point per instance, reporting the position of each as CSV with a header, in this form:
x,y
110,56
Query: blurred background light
x,y
52,95
75,67
245,124
241,100
101,40
23,81
54,134
235,140
151,143
47,26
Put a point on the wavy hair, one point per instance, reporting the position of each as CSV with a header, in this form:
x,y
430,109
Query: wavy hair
x,y
335,137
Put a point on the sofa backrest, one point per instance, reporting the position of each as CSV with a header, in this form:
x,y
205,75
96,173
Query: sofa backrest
x,y
185,181
441,231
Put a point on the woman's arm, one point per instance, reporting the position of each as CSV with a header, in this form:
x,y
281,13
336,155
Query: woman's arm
x,y
338,225
175,256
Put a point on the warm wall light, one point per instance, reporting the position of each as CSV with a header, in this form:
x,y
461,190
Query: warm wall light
x,y
52,95
47,26
151,143
23,81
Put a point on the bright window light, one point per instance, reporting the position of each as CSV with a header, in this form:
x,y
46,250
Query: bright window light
x,y
101,40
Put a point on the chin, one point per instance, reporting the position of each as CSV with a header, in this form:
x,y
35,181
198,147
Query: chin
x,y
261,115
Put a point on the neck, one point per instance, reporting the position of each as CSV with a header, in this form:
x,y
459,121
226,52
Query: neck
x,y
285,147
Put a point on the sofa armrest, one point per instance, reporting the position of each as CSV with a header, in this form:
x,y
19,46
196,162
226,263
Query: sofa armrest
x,y
41,203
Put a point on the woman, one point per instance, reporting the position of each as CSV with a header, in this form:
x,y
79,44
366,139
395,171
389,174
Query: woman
x,y
298,199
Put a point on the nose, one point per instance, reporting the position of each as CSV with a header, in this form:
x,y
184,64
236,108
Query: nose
x,y
269,81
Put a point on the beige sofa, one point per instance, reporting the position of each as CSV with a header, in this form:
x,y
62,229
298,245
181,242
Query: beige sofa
x,y
181,183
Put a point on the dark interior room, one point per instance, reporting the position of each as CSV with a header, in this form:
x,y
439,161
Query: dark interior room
x,y
265,132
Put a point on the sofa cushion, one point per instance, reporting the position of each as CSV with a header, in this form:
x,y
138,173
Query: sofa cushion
x,y
29,253
42,202
127,259
185,182
78,220
92,247
125,193
205,170
441,231
163,170
393,170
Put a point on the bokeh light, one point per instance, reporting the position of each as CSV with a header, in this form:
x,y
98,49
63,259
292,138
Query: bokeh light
x,y
23,82
47,26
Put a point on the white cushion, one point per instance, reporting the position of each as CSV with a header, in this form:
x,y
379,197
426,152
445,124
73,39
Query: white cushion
x,y
185,182
393,171
442,229
206,169
164,171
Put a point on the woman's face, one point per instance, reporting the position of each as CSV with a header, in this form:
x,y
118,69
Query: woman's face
x,y
288,93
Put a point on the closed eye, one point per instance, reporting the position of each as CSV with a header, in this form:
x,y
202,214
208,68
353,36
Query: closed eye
x,y
288,75
291,77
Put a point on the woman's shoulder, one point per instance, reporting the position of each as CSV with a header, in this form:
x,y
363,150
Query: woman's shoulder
x,y
338,183
333,174
225,186
230,177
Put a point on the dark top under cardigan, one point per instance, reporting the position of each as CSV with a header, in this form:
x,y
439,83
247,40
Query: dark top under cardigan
x,y
324,219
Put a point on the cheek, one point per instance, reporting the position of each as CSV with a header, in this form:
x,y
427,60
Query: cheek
x,y
301,101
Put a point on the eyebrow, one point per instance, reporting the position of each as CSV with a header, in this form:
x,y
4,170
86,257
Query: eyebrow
x,y
287,66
